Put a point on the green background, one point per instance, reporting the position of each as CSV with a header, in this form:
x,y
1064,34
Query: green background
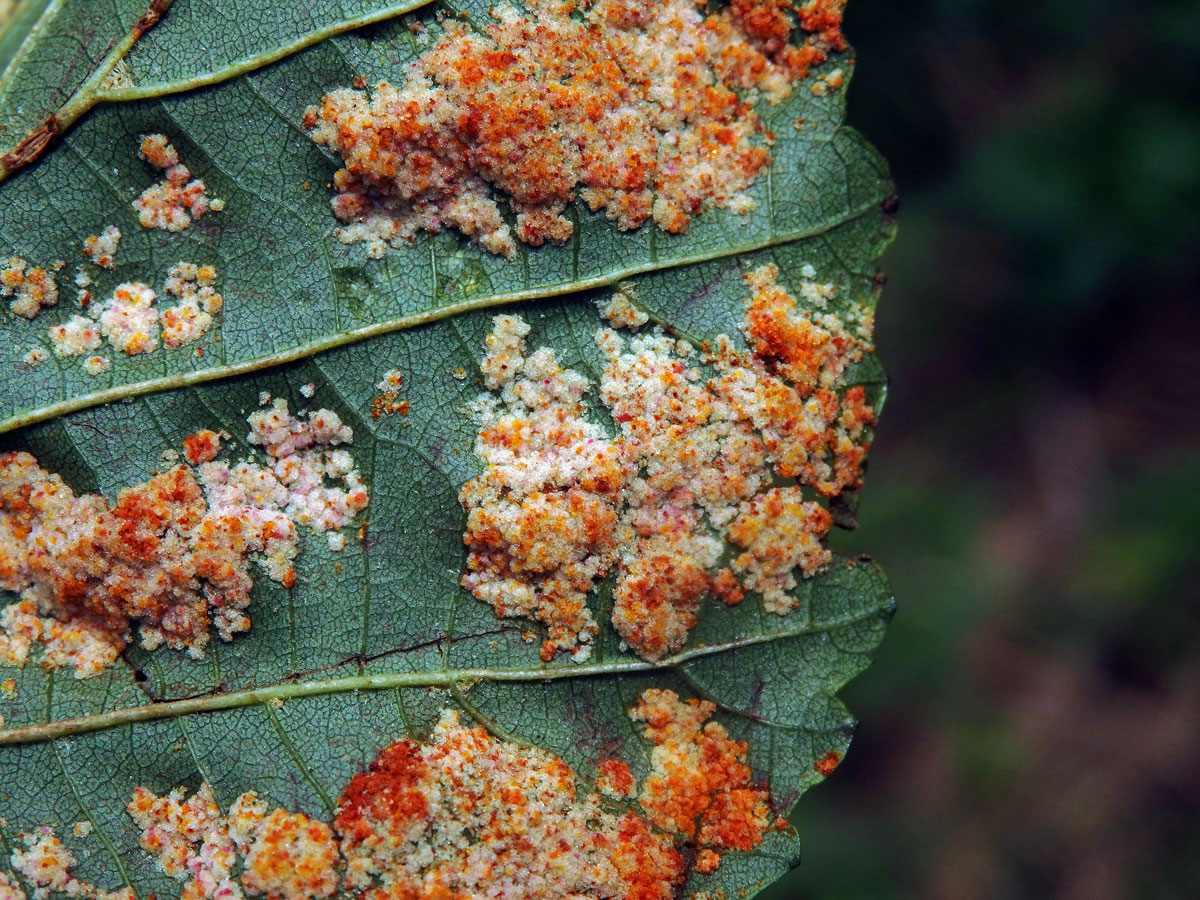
x,y
1031,727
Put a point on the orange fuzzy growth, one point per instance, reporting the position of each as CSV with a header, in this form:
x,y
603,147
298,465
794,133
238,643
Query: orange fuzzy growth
x,y
707,861
781,533
171,555
191,319
823,19
543,441
790,344
293,858
615,779
542,520
101,248
391,794
726,587
630,104
389,400
45,864
283,855
201,447
656,598
649,867
788,387
827,763
561,503
467,815
174,202
142,560
699,785
89,563
31,288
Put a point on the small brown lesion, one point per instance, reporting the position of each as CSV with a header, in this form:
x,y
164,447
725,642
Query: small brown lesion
x,y
150,18
32,146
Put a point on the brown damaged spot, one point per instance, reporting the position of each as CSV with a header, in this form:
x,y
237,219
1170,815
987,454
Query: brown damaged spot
x,y
35,143
32,146
150,17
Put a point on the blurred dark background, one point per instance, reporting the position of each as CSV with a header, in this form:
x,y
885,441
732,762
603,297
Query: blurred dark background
x,y
1031,726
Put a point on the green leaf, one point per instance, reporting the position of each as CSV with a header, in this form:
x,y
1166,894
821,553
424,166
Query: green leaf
x,y
291,290
372,643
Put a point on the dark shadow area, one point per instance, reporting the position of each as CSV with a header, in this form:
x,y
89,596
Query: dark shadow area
x,y
1031,727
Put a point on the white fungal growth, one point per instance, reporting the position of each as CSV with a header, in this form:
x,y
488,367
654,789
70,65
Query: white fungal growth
x,y
174,202
32,288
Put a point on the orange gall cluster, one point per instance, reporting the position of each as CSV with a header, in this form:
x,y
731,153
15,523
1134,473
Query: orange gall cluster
x,y
561,503
699,785
171,556
532,836
629,105
174,202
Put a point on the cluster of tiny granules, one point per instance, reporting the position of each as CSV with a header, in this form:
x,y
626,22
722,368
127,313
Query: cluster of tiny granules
x,y
171,555
101,248
159,556
699,785
542,517
293,857
692,462
749,42
388,400
615,780
86,648
283,855
31,288
132,324
9,889
96,365
781,534
45,862
621,313
787,386
189,839
129,320
810,351
76,336
192,285
631,104
313,478
470,816
464,815
560,503
172,203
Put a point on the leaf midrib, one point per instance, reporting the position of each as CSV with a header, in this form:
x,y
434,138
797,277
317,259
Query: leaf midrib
x,y
444,678
387,326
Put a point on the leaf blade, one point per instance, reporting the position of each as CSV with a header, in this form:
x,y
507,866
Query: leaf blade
x,y
372,643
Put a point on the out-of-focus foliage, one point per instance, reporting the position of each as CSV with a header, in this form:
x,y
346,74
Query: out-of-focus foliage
x,y
1031,726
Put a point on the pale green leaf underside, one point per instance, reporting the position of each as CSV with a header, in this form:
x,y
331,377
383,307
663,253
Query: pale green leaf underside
x,y
371,643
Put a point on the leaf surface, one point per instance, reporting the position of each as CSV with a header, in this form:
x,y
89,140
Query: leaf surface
x,y
291,289
371,643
